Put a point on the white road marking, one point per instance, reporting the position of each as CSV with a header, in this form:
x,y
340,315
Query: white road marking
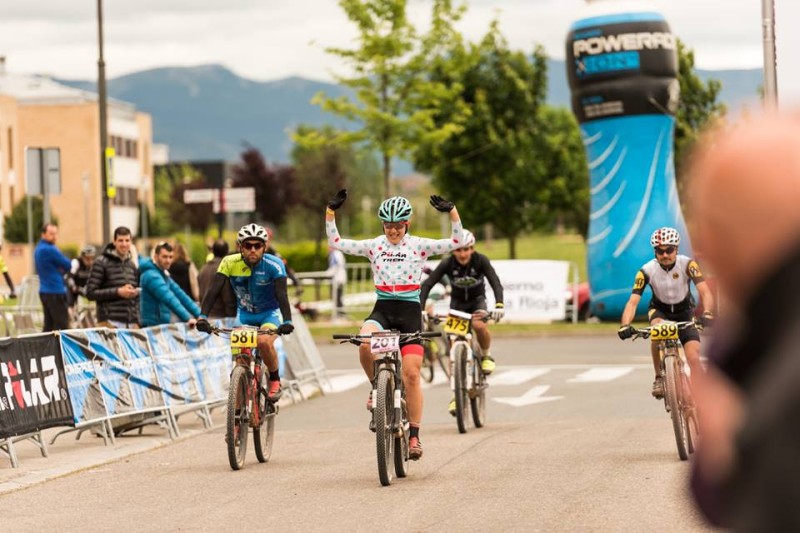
x,y
595,375
533,396
345,382
517,376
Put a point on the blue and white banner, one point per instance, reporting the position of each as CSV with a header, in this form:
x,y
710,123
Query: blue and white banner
x,y
135,355
174,365
84,387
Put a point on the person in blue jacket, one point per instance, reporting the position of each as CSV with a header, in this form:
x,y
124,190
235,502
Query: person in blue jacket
x,y
161,296
51,265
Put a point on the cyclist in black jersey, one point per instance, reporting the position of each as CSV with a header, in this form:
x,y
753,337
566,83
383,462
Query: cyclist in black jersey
x,y
467,270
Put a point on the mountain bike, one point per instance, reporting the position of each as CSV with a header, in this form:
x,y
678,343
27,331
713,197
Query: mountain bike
x,y
248,404
467,380
389,412
676,376
434,351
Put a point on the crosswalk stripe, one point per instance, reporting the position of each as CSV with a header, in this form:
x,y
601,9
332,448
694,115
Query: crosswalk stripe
x,y
517,376
596,375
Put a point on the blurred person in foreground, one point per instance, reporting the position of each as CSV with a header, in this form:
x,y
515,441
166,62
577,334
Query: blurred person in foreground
x,y
745,199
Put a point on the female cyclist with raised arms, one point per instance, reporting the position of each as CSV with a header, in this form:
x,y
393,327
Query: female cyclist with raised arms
x,y
397,259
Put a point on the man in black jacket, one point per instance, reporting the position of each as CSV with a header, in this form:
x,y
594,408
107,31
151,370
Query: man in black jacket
x,y
225,306
114,283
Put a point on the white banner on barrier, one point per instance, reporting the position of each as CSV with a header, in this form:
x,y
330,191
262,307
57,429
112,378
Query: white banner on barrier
x,y
533,290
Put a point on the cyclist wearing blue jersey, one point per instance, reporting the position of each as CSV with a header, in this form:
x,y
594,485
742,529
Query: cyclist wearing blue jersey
x,y
259,282
397,260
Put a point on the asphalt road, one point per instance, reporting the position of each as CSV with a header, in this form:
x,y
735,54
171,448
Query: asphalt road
x,y
573,442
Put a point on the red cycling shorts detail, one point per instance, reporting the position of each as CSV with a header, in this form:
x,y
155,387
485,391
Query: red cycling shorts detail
x,y
412,349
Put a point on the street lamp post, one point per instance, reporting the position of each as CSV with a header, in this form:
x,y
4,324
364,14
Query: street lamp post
x,y
101,100
770,56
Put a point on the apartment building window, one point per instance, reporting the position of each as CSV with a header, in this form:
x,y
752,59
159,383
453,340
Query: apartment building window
x,y
10,149
124,147
127,197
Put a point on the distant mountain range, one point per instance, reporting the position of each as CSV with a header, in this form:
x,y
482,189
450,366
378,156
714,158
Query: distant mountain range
x,y
208,112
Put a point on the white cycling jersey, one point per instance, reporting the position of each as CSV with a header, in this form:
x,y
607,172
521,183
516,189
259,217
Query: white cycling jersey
x,y
396,268
671,286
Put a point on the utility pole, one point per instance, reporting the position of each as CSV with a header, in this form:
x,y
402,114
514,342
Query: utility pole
x,y
101,100
770,56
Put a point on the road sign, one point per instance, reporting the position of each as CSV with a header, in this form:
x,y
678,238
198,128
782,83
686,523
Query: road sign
x,y
41,164
239,200
199,196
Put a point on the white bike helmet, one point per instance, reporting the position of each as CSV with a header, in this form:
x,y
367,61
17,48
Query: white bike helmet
x,y
469,239
395,209
253,231
665,237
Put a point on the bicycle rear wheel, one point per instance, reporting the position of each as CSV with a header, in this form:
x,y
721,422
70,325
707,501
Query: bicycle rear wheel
x,y
265,434
477,399
674,398
237,418
460,386
383,416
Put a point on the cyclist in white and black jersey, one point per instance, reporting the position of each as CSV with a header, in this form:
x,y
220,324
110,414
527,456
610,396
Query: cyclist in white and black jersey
x,y
669,275
397,260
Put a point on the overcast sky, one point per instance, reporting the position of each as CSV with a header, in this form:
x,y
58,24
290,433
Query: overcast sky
x,y
269,39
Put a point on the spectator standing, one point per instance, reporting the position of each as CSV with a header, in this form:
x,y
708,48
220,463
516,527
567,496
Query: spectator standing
x,y
184,272
225,305
161,296
4,269
51,265
113,283
337,270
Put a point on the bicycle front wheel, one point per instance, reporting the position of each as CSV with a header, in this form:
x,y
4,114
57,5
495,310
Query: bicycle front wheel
x,y
383,416
460,386
264,434
426,370
237,418
674,396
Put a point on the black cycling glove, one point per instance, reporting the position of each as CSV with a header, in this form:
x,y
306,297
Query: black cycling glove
x,y
337,201
445,206
203,325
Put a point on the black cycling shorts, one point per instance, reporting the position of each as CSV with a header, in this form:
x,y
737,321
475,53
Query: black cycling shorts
x,y
686,334
468,306
405,317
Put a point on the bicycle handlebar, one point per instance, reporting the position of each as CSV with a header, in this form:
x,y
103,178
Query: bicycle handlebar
x,y
359,339
217,331
644,333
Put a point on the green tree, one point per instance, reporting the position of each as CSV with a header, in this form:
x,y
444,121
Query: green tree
x,y
395,99
275,186
490,169
16,223
698,108
171,213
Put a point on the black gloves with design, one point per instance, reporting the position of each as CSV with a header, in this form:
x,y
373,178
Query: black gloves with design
x,y
625,332
337,201
440,204
285,328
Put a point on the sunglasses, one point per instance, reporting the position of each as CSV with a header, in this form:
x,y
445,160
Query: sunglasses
x,y
394,225
252,245
665,251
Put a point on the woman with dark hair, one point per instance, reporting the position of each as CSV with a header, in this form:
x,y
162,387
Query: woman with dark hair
x,y
184,272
